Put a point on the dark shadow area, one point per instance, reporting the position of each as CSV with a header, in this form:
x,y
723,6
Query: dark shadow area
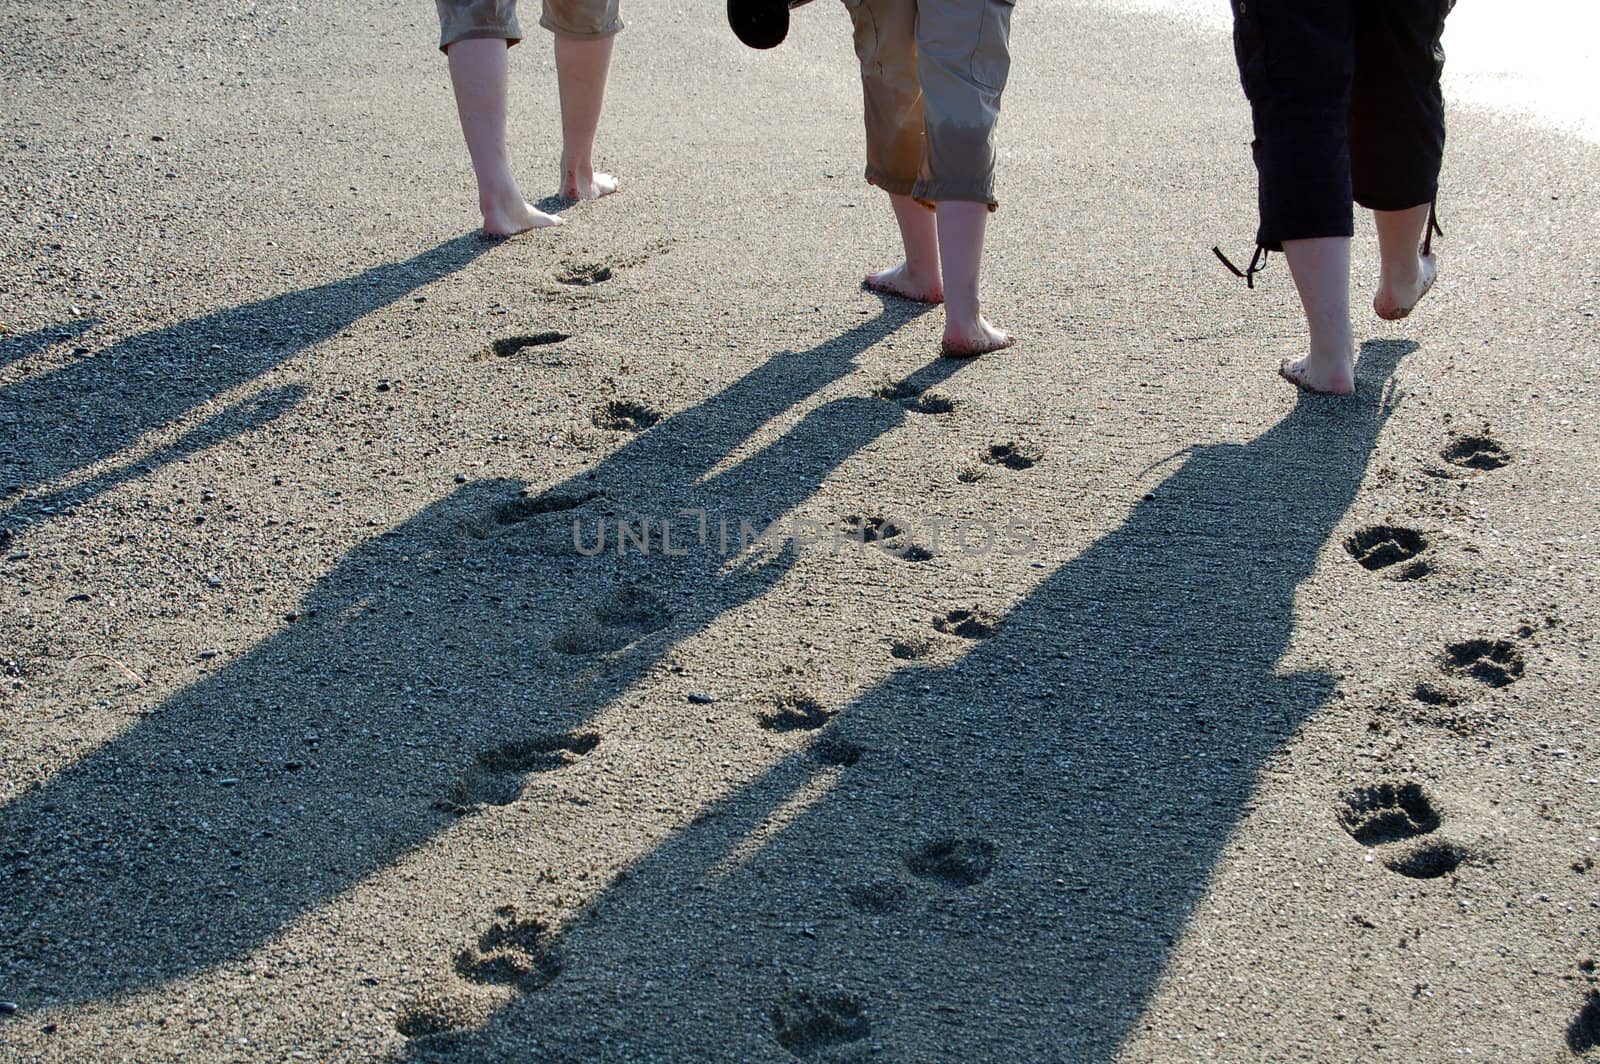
x,y
14,348
1005,868
93,408
420,670
237,420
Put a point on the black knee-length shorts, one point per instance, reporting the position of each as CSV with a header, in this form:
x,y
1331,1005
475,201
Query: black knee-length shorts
x,y
1346,105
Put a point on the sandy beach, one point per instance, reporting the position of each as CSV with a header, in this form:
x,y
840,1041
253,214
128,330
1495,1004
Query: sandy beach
x,y
1100,699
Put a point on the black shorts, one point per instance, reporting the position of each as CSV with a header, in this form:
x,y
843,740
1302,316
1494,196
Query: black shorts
x,y
1345,99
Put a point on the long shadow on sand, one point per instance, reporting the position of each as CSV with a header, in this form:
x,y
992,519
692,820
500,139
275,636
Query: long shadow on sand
x,y
93,408
319,757
1005,869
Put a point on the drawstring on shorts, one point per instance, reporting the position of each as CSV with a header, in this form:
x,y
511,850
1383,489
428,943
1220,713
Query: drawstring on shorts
x,y
1258,262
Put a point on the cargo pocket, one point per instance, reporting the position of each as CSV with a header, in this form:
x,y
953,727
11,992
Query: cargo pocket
x,y
991,56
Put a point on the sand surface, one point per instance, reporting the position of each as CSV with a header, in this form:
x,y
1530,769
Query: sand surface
x,y
321,739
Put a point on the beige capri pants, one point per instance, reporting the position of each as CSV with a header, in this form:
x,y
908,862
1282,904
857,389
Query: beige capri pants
x,y
584,20
932,73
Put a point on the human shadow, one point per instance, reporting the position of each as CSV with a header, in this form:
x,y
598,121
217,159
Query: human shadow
x,y
17,346
96,406
349,738
993,853
238,419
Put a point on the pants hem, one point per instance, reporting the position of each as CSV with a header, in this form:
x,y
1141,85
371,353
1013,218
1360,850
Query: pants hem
x,y
582,35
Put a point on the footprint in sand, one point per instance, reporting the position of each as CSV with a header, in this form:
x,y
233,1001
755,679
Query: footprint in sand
x,y
1428,860
512,952
954,862
496,776
887,535
620,620
913,649
1475,452
1391,813
808,1023
517,511
914,398
585,274
1012,454
1583,1034
1430,695
837,751
1382,547
1388,812
511,345
968,624
795,712
1492,662
624,415
879,897
435,1021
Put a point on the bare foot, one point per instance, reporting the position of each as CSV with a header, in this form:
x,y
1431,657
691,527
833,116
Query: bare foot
x,y
1320,376
978,339
513,217
906,283
581,186
1398,297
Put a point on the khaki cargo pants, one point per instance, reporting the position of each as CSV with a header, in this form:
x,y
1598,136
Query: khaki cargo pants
x,y
584,20
932,73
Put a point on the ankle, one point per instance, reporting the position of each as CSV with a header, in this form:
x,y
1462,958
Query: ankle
x,y
1404,271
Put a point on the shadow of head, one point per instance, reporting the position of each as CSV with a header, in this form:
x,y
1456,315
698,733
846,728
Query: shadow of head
x,y
144,382
18,346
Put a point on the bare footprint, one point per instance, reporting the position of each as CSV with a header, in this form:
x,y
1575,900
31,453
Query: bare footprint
x,y
1583,1034
1388,812
808,1023
624,415
954,862
1382,546
507,346
1477,451
914,398
512,952
1493,662
1430,859
968,624
1012,454
621,619
796,712
496,776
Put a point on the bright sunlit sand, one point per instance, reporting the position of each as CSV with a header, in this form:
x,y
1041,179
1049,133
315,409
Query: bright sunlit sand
x,y
1538,60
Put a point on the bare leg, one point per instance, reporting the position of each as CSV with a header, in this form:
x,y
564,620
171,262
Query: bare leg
x,y
480,74
1321,271
966,331
917,277
582,68
1407,274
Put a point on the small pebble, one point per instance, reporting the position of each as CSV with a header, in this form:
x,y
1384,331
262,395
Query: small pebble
x,y
702,698
461,478
7,1008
